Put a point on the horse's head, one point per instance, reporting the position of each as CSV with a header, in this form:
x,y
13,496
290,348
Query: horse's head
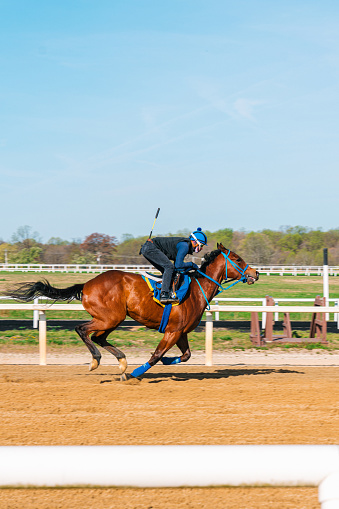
x,y
236,268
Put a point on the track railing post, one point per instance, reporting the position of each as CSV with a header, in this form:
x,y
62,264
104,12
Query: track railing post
x,y
42,337
217,312
209,339
264,316
36,314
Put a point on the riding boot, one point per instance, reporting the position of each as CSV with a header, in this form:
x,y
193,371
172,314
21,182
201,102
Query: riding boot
x,y
164,297
168,297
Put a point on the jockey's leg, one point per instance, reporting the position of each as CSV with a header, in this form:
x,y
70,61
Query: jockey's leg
x,y
160,262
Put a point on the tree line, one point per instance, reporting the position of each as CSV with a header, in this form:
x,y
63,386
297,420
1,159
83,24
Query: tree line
x,y
290,245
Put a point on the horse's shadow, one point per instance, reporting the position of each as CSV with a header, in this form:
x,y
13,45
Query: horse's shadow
x,y
217,374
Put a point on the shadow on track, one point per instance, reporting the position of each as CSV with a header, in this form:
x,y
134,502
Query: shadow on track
x,y
218,374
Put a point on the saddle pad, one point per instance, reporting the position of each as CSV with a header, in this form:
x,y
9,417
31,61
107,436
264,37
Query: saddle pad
x,y
155,287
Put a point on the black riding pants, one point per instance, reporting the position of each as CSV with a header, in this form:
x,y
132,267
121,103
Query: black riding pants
x,y
160,261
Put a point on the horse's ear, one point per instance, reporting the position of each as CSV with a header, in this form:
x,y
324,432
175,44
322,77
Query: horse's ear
x,y
221,247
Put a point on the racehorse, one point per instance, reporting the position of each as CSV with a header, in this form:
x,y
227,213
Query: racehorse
x,y
112,295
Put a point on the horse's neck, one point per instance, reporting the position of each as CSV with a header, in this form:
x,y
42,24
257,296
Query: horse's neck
x,y
215,271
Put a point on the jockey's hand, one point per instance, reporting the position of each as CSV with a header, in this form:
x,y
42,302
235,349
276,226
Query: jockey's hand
x,y
194,266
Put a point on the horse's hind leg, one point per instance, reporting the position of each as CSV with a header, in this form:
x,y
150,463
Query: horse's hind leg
x,y
100,339
84,330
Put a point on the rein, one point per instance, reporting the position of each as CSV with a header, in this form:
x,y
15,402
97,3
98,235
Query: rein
x,y
222,288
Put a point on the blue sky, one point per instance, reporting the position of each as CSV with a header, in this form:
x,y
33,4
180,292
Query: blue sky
x,y
221,113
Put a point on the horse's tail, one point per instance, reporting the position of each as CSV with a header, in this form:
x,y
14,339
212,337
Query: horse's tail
x,y
29,291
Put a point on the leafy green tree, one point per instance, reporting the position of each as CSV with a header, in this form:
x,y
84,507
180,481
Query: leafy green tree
x,y
223,236
257,248
290,242
7,252
331,238
28,255
57,241
313,240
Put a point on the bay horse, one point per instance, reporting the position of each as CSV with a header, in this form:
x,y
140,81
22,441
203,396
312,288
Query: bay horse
x,y
112,295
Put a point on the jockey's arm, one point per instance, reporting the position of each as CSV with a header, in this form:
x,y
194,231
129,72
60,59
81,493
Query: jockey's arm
x,y
182,251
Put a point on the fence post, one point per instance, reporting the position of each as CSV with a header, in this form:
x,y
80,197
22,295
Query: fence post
x,y
36,314
209,339
217,312
325,282
276,314
42,337
263,317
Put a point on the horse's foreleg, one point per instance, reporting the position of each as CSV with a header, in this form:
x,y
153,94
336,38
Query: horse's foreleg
x,y
183,345
169,339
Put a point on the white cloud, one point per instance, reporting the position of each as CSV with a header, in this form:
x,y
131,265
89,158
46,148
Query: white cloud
x,y
245,107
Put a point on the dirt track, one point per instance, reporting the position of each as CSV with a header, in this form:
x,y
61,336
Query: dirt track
x,y
67,405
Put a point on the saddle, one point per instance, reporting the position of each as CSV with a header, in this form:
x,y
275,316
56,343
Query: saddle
x,y
180,285
177,281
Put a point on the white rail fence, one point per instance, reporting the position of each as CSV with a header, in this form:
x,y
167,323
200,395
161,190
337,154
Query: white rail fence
x,y
42,308
282,270
335,311
184,465
262,300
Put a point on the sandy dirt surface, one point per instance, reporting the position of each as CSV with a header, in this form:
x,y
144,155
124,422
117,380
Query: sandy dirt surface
x,y
223,404
29,354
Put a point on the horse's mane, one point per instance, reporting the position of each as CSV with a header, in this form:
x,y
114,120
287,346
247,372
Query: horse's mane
x,y
208,258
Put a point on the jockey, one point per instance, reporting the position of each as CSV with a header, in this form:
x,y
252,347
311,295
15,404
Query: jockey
x,y
160,250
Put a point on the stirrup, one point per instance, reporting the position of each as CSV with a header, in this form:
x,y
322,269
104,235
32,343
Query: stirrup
x,y
173,297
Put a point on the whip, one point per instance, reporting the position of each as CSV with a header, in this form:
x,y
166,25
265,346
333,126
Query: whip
x,y
156,215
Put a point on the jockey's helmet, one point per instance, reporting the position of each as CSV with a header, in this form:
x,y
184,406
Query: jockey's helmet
x,y
199,237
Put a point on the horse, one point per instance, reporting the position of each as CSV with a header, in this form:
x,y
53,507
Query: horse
x,y
114,294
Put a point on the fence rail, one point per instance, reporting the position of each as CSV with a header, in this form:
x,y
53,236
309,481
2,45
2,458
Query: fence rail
x,y
42,308
72,268
282,270
184,465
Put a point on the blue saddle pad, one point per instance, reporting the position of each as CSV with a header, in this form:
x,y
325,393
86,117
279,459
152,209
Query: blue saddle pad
x,y
155,286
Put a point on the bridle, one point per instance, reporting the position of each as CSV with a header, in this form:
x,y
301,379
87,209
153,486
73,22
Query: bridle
x,y
241,271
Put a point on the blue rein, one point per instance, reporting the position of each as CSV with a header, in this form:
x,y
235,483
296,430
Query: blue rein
x,y
221,288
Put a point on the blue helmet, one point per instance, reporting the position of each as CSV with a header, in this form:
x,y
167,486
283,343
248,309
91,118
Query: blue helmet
x,y
199,236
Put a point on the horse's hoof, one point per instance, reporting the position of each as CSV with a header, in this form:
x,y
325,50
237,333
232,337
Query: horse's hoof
x,y
123,364
94,364
123,377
